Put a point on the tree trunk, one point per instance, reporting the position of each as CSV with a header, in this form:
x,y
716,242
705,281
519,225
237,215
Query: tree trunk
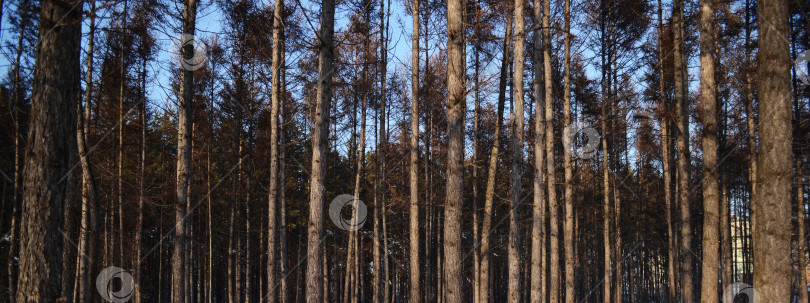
x,y
538,279
554,236
711,228
320,135
666,160
52,121
771,219
489,195
278,20
413,173
569,194
517,157
456,107
682,129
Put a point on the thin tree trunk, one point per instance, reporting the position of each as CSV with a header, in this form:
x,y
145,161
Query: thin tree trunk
x,y
456,107
554,236
517,157
711,195
141,185
568,193
120,158
413,173
802,245
538,279
771,218
682,132
53,115
272,229
666,161
485,286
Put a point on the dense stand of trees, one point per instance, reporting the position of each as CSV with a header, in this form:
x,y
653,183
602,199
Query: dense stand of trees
x,y
527,151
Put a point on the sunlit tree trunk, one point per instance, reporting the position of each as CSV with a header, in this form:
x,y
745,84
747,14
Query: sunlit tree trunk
x,y
682,138
771,219
517,157
569,192
413,168
554,235
538,279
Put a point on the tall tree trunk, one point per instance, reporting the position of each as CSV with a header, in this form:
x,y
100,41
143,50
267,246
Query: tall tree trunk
x,y
711,228
456,107
749,104
771,219
120,158
517,157
682,129
278,21
183,155
485,286
282,237
666,160
52,121
413,169
554,236
88,223
320,135
538,279
605,177
802,245
141,185
569,192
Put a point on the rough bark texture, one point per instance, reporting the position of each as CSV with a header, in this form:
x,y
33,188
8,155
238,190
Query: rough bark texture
x,y
517,158
771,219
711,195
52,123
569,192
413,174
554,235
456,107
666,159
275,97
320,137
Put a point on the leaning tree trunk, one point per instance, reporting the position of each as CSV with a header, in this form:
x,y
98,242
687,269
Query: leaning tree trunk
x,y
771,219
183,155
456,107
489,194
711,231
517,158
320,136
52,123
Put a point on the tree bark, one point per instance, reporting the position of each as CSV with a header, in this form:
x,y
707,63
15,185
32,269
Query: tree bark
x,y
413,168
517,157
320,136
52,123
456,107
711,228
771,203
569,193
554,236
682,129
538,279
278,13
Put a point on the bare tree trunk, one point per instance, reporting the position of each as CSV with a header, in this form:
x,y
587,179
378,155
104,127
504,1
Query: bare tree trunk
x,y
771,219
87,232
517,157
120,158
320,135
749,103
569,194
711,195
141,185
231,261
485,286
413,173
606,179
554,236
52,121
278,20
666,161
456,106
538,279
183,156
802,245
682,129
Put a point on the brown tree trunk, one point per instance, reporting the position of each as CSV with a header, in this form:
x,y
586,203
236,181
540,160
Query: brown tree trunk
x,y
538,279
682,129
554,235
666,161
711,231
513,288
278,13
413,169
569,193
489,195
771,219
320,136
52,121
456,107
